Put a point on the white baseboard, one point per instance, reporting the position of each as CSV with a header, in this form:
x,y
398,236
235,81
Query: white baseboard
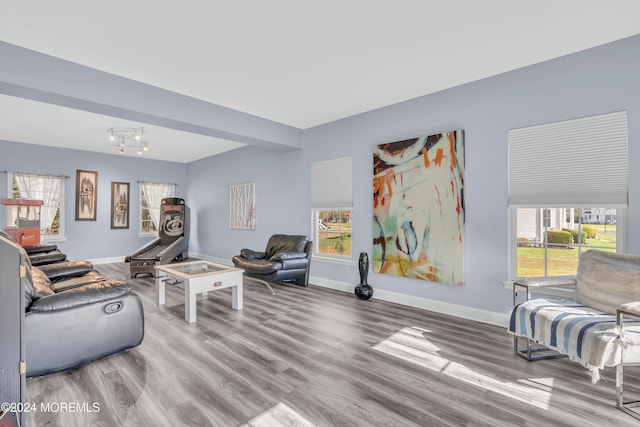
x,y
110,260
223,261
96,261
464,312
558,292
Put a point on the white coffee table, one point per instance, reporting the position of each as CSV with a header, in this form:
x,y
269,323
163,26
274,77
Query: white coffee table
x,y
199,277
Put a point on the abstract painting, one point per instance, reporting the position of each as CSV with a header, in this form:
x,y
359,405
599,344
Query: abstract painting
x,y
418,208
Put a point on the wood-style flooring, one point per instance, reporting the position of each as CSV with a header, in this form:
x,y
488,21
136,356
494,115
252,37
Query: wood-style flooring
x,y
318,357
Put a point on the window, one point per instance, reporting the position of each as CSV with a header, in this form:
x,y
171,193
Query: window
x,y
331,202
567,193
333,232
49,189
549,241
151,194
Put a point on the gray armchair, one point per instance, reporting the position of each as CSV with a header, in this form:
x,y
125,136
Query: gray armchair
x,y
285,259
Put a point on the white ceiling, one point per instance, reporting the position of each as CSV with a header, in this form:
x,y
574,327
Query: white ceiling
x,y
298,62
22,120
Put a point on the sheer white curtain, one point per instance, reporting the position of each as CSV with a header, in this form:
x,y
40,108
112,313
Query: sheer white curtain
x,y
154,193
42,187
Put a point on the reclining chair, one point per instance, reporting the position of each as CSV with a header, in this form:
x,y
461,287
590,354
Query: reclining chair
x,y
285,259
172,243
73,315
45,254
40,254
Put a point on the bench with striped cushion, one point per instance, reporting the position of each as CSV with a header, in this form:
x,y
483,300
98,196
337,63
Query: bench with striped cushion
x,y
588,336
587,330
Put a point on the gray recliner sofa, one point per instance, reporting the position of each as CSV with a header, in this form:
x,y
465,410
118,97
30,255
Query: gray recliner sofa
x,y
74,315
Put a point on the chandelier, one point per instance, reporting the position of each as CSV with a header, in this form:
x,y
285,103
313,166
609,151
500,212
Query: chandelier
x,y
128,138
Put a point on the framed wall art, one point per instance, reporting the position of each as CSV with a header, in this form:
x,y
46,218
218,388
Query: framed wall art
x,y
242,206
119,205
86,195
418,208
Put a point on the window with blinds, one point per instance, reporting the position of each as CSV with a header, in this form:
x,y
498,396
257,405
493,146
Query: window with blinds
x,y
567,192
581,162
331,202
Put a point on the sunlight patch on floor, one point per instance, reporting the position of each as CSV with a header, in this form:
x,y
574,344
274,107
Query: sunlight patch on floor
x,y
410,345
279,415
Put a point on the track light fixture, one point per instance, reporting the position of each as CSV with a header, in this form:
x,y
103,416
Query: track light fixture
x,y
128,138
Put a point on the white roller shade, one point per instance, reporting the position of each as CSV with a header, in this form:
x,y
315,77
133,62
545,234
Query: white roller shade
x,y
578,163
331,183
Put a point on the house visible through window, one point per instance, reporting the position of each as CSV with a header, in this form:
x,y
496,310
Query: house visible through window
x,y
151,194
49,189
550,240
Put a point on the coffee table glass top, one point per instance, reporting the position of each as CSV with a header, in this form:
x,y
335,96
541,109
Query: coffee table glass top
x,y
197,268
192,269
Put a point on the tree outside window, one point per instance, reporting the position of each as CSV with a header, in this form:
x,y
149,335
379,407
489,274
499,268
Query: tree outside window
x,y
333,232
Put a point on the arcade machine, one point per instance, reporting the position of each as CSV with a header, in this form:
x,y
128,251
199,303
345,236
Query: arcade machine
x,y
172,243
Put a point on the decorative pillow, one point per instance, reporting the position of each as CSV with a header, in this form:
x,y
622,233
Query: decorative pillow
x,y
606,280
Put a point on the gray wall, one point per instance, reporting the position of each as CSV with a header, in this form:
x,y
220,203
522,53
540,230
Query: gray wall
x,y
599,80
282,198
92,239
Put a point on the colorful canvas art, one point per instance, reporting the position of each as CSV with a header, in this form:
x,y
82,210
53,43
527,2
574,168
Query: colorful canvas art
x,y
418,208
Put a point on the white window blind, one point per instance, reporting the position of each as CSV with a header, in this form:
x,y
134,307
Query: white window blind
x,y
331,183
580,163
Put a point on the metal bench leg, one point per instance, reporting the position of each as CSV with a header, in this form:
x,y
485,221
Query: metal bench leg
x,y
531,352
626,407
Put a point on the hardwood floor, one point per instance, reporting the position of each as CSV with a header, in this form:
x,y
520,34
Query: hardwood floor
x,y
318,357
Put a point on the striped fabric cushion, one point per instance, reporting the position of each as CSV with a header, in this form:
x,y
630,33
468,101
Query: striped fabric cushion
x,y
588,336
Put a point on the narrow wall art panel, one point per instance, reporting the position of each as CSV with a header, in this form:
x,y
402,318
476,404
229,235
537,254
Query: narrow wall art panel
x,y
242,206
418,208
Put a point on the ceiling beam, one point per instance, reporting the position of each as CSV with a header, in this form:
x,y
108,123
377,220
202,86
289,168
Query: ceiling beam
x,y
33,75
